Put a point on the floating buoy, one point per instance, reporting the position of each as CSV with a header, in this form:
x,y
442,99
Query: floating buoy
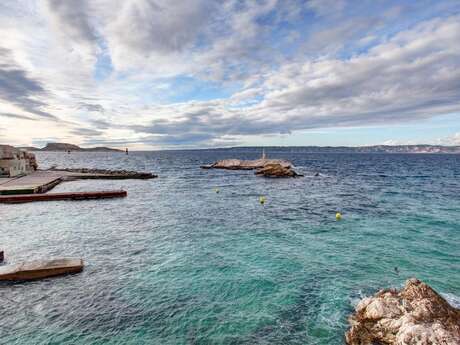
x,y
216,190
338,216
262,200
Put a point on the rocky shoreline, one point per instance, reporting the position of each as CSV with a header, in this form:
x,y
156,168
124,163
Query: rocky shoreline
x,y
415,315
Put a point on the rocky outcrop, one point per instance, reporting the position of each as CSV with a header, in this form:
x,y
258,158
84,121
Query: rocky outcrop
x,y
238,164
276,170
415,315
265,167
102,173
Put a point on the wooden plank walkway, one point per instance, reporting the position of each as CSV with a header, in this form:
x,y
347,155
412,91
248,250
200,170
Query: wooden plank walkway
x,y
17,199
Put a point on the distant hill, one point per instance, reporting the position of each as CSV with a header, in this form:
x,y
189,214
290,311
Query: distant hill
x,y
59,147
28,148
347,149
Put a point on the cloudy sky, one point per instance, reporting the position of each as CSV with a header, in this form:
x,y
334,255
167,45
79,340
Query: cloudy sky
x,y
206,73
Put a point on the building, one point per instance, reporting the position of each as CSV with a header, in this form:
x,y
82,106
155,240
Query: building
x,y
14,162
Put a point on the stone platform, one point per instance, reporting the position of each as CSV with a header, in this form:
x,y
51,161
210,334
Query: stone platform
x,y
40,269
41,181
36,182
23,198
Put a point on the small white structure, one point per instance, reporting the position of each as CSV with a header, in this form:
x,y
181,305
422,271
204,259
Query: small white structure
x,y
14,162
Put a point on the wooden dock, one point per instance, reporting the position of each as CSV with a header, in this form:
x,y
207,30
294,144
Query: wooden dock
x,y
23,198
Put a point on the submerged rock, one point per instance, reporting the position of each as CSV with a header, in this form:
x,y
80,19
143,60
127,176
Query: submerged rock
x,y
415,315
276,170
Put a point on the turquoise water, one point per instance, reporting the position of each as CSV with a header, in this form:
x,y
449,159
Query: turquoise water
x,y
177,263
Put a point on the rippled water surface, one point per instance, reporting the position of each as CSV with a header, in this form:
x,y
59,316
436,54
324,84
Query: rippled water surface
x,y
177,263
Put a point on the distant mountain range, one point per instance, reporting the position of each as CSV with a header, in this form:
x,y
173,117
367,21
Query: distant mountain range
x,y
356,149
58,147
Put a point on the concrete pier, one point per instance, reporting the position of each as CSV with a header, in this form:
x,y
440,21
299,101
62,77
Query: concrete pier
x,y
36,182
23,198
41,181
40,269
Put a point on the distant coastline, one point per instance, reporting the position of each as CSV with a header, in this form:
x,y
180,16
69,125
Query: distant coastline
x,y
416,149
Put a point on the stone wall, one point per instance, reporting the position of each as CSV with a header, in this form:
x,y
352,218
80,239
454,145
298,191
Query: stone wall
x,y
15,162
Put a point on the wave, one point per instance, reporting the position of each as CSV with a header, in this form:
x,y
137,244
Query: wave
x,y
452,299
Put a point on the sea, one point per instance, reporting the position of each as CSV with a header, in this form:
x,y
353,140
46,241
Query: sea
x,y
193,257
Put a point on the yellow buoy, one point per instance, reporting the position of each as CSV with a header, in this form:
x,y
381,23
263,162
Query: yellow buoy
x,y
262,200
338,216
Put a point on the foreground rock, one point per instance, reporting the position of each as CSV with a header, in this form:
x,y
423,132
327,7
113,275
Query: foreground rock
x,y
415,315
277,170
40,269
112,174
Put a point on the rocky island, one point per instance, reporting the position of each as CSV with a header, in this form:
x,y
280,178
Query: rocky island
x,y
415,315
264,166
65,147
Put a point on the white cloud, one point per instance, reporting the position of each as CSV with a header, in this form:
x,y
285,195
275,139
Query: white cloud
x,y
286,74
363,90
453,140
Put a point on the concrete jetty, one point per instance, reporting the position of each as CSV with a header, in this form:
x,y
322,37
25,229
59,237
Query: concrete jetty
x,y
40,269
36,182
23,198
41,181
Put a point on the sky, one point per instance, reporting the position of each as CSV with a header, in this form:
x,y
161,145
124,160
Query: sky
x,y
159,74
